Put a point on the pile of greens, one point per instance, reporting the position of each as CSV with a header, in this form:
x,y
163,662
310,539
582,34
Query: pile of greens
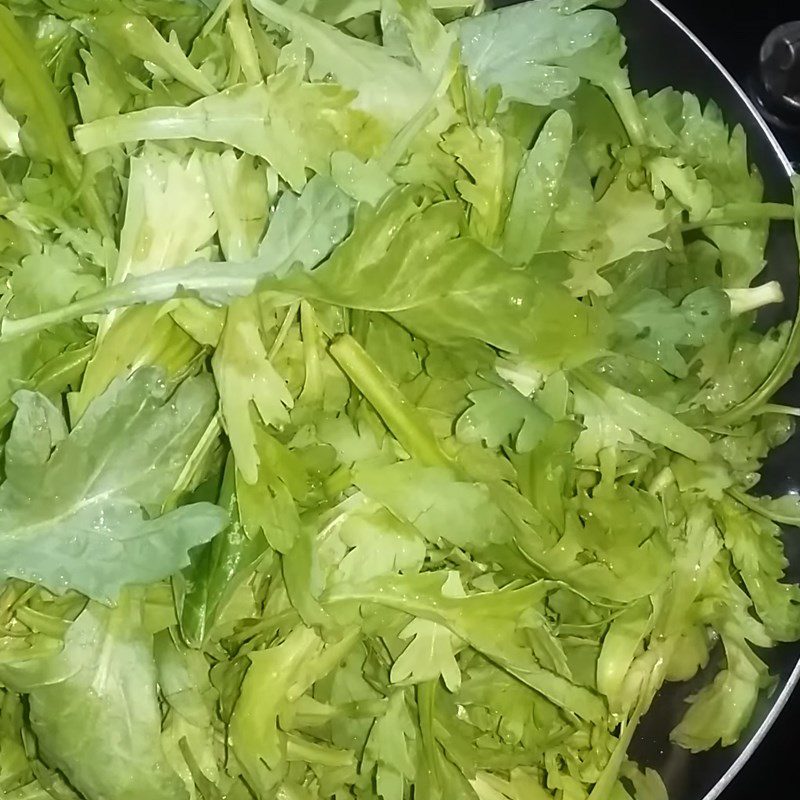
x,y
380,401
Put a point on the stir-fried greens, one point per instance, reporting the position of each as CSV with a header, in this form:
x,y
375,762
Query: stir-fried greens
x,y
381,404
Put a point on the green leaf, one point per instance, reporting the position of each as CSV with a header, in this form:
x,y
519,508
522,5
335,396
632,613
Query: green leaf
x,y
387,88
254,732
217,568
720,712
437,504
632,413
535,191
29,93
488,622
537,53
134,34
267,506
428,656
783,510
695,194
651,327
365,183
467,292
98,489
501,414
404,361
42,281
99,694
491,162
48,280
285,670
290,123
375,543
414,28
628,221
390,748
321,205
620,645
758,554
239,194
123,350
246,378
303,230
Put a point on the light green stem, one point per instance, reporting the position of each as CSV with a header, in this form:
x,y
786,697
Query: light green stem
x,y
742,213
400,416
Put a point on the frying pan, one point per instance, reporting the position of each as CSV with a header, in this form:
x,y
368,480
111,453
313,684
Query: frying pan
x,y
663,52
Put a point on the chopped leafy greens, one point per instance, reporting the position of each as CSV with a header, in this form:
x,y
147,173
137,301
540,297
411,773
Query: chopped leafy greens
x,y
380,404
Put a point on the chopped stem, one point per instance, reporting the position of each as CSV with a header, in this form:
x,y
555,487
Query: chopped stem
x,y
741,214
243,44
400,416
754,297
313,384
299,750
777,408
202,279
54,377
195,461
757,507
430,770
216,17
283,331
610,775
628,110
12,328
784,368
42,623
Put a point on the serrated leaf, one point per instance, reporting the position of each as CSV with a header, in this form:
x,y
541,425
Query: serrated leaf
x,y
428,655
290,123
100,693
499,415
247,380
85,516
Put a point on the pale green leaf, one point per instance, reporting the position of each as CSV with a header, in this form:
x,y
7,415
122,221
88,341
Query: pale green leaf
x,y
100,490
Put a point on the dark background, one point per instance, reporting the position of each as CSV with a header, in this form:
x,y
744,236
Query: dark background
x,y
734,32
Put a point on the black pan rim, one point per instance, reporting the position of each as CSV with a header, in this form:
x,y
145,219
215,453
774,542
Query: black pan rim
x,y
780,701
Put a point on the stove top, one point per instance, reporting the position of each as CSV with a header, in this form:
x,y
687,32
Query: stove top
x,y
735,33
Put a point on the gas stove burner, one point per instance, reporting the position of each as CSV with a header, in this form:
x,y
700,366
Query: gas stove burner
x,y
759,44
780,71
777,86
